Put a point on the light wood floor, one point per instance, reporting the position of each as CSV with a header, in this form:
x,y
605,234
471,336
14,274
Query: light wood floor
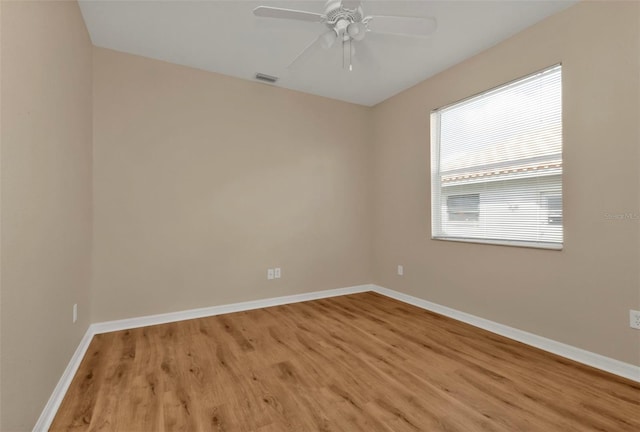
x,y
355,363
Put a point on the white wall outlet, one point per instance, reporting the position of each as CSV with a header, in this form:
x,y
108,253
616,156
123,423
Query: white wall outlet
x,y
277,272
270,274
634,319
75,312
400,270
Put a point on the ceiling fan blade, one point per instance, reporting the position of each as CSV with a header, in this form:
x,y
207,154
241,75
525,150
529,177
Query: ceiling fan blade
x,y
273,12
351,4
403,26
307,52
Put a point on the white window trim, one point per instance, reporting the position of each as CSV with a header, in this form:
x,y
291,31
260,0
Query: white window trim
x,y
436,186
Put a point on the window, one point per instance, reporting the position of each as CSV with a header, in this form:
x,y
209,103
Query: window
x,y
553,205
463,208
496,162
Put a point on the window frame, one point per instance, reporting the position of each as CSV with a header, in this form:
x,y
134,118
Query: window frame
x,y
436,186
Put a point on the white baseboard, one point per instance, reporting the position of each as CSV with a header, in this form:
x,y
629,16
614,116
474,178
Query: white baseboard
x,y
582,356
579,355
51,408
130,323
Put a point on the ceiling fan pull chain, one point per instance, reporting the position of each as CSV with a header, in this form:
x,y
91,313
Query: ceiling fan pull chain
x,y
350,55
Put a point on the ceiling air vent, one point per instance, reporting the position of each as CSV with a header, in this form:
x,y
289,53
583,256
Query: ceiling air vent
x,y
266,78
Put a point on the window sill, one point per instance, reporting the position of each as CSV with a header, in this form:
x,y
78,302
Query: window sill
x,y
512,243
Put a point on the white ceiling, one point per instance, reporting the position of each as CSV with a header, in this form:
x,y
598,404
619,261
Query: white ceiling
x,y
225,37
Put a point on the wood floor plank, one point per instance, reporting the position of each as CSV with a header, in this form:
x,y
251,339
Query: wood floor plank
x,y
354,363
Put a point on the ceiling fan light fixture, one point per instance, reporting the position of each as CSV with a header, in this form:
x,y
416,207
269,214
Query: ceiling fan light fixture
x,y
356,31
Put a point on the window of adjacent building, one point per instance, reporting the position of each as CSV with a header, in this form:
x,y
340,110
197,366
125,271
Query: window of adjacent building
x,y
463,208
497,165
553,205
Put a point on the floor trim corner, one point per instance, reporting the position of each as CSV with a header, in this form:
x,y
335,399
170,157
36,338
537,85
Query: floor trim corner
x,y
51,408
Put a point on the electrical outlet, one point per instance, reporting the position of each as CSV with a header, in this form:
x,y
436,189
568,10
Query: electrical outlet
x,y
634,319
277,272
75,312
400,270
270,274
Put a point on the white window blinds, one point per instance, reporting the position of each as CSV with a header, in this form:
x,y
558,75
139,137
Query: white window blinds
x,y
497,165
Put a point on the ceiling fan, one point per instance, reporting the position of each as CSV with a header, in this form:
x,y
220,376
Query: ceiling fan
x,y
348,24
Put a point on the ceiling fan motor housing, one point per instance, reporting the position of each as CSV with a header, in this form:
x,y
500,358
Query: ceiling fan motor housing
x,y
335,12
346,23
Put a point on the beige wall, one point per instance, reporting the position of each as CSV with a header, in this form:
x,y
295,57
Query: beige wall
x,y
202,182
581,295
46,200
